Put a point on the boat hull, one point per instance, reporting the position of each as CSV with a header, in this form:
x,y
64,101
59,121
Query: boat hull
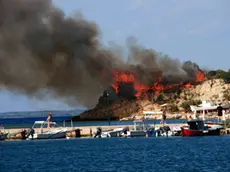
x,y
214,129
216,132
151,134
136,133
50,135
3,137
110,134
188,132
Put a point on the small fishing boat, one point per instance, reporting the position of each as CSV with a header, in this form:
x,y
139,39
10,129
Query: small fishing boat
x,y
112,133
40,130
139,129
165,131
194,128
197,127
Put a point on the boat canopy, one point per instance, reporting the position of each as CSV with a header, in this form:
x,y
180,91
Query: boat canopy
x,y
43,124
196,124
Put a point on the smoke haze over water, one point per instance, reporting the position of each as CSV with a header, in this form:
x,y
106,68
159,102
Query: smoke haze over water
x,y
42,49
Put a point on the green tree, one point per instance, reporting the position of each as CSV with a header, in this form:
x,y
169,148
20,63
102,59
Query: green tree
x,y
224,75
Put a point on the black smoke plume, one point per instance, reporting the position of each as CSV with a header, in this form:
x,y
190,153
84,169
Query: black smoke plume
x,y
43,52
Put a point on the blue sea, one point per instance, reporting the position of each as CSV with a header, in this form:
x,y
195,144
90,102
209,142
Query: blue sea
x,y
26,119
175,154
28,122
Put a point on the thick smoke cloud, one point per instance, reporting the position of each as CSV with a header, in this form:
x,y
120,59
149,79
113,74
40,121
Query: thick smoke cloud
x,y
149,64
42,49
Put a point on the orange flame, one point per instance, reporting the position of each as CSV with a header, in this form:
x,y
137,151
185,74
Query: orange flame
x,y
199,76
129,78
157,87
187,85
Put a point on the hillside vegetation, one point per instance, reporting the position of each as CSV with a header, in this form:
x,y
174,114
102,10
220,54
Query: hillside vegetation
x,y
216,87
219,74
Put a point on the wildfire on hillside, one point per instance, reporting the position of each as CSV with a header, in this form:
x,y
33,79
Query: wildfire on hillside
x,y
158,86
199,76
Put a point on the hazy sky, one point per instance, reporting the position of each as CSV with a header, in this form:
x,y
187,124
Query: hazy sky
x,y
196,30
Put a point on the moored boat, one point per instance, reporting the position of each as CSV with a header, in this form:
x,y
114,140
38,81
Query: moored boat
x,y
214,129
3,134
112,133
40,130
139,129
197,127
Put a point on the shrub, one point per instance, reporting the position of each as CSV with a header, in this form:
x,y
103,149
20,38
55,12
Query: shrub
x,y
224,75
219,74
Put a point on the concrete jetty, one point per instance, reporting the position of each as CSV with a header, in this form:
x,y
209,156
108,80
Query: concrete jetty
x,y
83,131
88,131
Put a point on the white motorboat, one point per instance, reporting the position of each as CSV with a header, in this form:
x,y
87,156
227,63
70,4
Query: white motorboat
x,y
136,133
139,129
40,130
113,133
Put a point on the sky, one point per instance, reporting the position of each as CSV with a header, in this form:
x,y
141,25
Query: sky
x,y
185,29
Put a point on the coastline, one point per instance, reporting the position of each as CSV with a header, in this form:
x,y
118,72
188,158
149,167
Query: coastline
x,y
86,131
86,128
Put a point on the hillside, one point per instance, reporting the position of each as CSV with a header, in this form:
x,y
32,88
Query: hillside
x,y
214,89
178,101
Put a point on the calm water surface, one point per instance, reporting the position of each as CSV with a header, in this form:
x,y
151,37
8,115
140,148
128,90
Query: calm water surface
x,y
211,153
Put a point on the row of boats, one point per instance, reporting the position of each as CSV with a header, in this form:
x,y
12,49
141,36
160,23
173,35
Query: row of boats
x,y
196,127
141,128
